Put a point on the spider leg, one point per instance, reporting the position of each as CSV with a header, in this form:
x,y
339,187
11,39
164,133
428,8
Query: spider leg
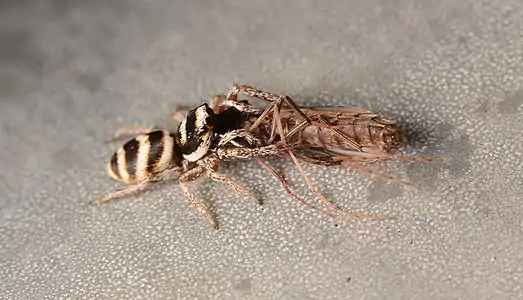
x,y
131,130
121,192
210,164
191,175
140,186
247,153
179,113
220,103
230,136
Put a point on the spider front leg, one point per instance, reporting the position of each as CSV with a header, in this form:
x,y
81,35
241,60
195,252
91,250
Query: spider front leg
x,y
223,153
232,93
220,103
229,137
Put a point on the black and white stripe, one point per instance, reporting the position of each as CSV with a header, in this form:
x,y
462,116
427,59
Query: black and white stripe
x,y
143,156
195,133
194,125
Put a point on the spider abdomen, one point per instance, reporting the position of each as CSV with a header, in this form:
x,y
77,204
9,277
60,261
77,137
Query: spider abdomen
x,y
143,157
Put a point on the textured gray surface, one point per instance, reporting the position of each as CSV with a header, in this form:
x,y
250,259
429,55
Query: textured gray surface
x,y
450,71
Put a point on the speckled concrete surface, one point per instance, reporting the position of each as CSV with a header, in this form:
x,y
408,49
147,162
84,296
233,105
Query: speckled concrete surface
x,y
451,72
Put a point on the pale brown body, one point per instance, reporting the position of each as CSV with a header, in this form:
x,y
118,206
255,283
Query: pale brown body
x,y
323,135
368,130
335,131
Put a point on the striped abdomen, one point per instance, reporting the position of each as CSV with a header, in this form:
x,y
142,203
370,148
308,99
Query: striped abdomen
x,y
143,156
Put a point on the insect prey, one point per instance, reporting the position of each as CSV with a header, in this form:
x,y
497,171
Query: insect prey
x,y
324,136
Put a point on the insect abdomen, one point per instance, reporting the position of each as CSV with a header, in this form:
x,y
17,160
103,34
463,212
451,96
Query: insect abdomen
x,y
385,138
143,156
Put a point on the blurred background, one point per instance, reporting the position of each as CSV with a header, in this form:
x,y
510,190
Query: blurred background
x,y
450,72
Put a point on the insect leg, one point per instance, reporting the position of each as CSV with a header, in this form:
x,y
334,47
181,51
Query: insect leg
x,y
324,161
233,92
296,129
326,201
277,125
211,166
262,117
275,106
378,174
277,121
285,185
191,175
296,108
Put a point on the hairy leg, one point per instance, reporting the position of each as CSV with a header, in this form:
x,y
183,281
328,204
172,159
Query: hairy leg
x,y
220,103
179,113
246,153
121,192
192,175
230,136
132,130
165,175
211,166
